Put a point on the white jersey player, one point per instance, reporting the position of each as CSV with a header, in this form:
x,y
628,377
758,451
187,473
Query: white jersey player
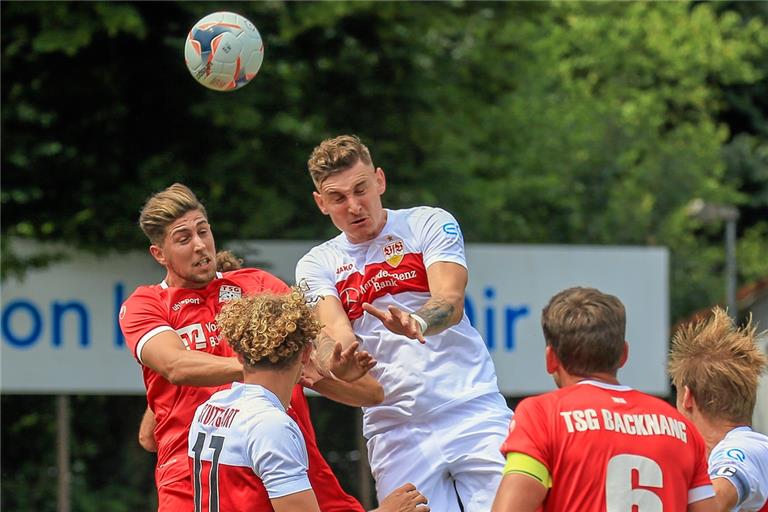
x,y
741,458
392,279
715,367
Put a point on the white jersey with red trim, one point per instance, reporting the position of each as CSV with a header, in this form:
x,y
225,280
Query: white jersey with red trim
x,y
741,457
454,365
245,450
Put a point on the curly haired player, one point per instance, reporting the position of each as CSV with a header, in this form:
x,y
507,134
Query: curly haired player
x,y
244,449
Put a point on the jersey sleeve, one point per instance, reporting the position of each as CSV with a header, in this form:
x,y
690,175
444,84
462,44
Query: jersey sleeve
x,y
733,464
278,455
142,316
316,278
439,234
700,487
528,433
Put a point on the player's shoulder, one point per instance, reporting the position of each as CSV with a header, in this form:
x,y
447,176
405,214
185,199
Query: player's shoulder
x,y
739,442
254,280
144,298
325,250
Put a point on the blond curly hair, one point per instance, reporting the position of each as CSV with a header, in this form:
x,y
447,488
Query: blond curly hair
x,y
269,330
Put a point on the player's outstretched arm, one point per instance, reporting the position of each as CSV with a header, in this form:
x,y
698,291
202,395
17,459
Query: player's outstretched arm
x,y
337,330
404,499
304,501
147,431
707,505
165,353
445,307
364,392
520,493
726,495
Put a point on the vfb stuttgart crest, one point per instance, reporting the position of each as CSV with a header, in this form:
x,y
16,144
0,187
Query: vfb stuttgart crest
x,y
393,252
229,292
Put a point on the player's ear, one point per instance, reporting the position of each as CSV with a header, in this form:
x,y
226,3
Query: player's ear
x,y
157,253
624,355
688,400
553,363
306,353
381,180
320,202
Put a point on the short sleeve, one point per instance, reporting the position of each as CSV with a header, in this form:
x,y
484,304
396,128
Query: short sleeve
x,y
315,277
528,432
439,234
279,456
142,316
733,464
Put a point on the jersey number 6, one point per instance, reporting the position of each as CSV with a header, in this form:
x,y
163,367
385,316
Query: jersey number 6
x,y
620,496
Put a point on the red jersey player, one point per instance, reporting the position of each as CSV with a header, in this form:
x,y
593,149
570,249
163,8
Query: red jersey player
x,y
595,445
171,330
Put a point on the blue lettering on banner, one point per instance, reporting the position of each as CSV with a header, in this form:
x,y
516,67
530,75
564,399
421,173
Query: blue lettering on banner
x,y
57,312
23,321
119,299
511,315
14,338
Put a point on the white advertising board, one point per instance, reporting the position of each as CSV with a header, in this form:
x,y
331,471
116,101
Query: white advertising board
x,y
60,333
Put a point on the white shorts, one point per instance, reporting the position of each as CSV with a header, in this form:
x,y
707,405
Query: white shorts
x,y
455,451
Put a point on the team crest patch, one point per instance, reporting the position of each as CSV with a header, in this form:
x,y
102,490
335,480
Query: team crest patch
x,y
229,292
393,252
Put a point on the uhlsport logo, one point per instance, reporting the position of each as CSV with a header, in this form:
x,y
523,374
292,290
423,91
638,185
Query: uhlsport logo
x,y
393,252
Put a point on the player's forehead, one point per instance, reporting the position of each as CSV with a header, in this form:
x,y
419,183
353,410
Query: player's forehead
x,y
189,221
342,182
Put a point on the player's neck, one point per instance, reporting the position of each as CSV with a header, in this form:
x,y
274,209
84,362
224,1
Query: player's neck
x,y
714,430
566,379
279,382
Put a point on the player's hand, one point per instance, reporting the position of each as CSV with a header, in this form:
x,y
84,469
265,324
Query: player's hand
x,y
349,364
310,375
397,321
404,499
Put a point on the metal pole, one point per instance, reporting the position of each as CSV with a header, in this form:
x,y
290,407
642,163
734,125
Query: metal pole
x,y
62,452
363,469
730,267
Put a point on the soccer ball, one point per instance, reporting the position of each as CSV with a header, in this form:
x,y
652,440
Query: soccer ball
x,y
223,51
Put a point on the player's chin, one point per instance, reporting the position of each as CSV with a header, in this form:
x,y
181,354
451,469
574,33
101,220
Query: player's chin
x,y
203,274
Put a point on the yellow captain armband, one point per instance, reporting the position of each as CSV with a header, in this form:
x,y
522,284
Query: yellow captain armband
x,y
523,464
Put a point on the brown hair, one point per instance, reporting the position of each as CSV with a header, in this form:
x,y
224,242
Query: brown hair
x,y
337,154
585,327
164,207
720,363
269,330
226,261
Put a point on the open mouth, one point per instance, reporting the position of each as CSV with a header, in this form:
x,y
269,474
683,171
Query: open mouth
x,y
202,262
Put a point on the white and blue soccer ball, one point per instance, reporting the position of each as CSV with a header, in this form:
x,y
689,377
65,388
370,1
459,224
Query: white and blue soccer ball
x,y
223,51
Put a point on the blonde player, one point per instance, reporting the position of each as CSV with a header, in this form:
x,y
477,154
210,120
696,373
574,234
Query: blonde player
x,y
715,367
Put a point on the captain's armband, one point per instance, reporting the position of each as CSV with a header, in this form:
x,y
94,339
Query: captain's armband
x,y
522,464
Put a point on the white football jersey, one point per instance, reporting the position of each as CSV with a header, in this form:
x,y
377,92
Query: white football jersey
x,y
454,365
742,458
242,438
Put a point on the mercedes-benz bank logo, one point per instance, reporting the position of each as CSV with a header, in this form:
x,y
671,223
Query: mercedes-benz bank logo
x,y
350,295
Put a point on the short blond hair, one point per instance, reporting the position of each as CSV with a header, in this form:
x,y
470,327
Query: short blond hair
x,y
585,327
720,363
165,207
335,155
268,330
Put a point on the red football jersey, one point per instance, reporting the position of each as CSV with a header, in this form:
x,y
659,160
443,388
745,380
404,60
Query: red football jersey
x,y
611,448
191,314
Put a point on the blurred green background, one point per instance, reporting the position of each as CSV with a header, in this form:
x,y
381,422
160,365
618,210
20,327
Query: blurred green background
x,y
533,122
